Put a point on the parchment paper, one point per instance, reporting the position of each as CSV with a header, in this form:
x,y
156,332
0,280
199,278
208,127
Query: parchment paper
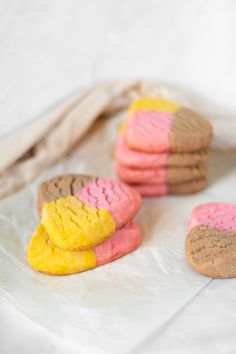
x,y
125,306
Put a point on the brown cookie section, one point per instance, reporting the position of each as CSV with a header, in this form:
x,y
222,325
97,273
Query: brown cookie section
x,y
189,131
212,252
189,187
187,159
60,186
182,174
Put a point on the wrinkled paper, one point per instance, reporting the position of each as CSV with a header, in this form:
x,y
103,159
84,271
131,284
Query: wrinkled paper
x,y
128,305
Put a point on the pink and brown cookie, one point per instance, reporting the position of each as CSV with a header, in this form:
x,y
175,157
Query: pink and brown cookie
x,y
161,175
210,246
156,125
160,189
83,219
142,160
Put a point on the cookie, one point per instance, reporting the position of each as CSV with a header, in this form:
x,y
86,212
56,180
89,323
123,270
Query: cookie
x,y
155,125
119,199
79,212
210,246
45,257
170,175
221,216
142,160
164,189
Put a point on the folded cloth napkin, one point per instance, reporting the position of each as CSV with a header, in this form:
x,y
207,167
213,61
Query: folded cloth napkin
x,y
27,152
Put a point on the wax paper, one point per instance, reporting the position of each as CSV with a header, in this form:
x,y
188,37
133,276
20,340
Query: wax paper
x,y
125,306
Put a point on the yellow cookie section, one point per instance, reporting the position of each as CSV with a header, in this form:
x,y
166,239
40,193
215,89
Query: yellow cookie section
x,y
122,128
153,104
45,257
74,225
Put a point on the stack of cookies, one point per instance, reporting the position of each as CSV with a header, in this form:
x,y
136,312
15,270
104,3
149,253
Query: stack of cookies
x,y
85,222
162,148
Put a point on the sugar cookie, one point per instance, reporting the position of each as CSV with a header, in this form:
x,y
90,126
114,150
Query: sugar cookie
x,y
162,175
210,246
121,201
155,125
163,189
45,257
141,160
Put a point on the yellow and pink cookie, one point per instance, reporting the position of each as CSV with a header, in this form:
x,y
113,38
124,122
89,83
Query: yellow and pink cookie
x,y
89,209
210,246
45,257
156,125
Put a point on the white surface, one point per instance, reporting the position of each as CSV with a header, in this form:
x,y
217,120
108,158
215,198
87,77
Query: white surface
x,y
141,303
48,49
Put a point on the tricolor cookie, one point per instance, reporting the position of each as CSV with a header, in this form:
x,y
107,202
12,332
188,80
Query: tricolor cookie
x,y
155,125
45,257
85,222
100,204
137,159
211,243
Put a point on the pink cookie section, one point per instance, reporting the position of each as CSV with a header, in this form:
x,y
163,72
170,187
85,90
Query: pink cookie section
x,y
149,131
128,157
151,189
122,201
125,240
148,176
221,216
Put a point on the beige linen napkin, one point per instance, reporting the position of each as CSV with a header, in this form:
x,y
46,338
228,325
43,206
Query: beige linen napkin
x,y
24,154
27,152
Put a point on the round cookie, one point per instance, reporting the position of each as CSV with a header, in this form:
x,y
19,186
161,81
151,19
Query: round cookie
x,y
119,199
189,187
155,125
170,175
210,246
141,160
45,257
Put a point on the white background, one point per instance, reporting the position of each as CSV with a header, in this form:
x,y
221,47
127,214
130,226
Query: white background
x,y
49,49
